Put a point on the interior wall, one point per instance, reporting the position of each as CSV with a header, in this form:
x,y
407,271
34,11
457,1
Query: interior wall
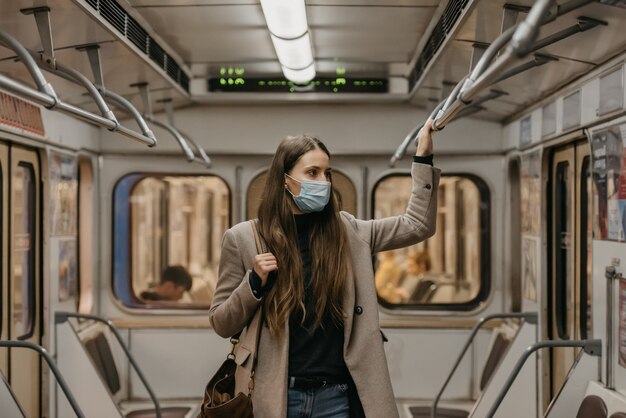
x,y
345,129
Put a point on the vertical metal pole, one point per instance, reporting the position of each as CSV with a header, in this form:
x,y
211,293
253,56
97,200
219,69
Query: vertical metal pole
x,y
240,210
364,191
610,275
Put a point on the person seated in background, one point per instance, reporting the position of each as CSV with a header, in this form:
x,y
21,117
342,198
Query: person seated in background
x,y
417,263
388,275
175,281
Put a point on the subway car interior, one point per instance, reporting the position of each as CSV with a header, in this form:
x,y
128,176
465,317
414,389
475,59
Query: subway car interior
x,y
134,133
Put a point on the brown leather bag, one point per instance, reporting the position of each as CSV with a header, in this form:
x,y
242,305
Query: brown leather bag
x,y
220,400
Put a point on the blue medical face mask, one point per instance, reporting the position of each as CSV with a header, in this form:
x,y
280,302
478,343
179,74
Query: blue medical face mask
x,y
314,195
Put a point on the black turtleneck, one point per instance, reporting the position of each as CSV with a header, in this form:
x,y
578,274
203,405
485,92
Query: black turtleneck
x,y
312,352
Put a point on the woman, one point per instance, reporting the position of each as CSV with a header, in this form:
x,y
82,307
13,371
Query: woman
x,y
321,333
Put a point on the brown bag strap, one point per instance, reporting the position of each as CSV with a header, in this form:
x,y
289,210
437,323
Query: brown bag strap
x,y
261,249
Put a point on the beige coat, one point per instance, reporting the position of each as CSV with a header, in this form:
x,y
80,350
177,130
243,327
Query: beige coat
x,y
234,304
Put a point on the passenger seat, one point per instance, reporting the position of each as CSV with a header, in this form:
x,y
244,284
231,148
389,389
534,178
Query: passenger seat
x,y
100,352
594,407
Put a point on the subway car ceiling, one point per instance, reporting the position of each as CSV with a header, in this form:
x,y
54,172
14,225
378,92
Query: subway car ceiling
x,y
365,51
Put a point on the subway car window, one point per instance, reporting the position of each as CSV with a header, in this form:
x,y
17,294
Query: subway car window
x,y
450,269
24,263
168,231
343,186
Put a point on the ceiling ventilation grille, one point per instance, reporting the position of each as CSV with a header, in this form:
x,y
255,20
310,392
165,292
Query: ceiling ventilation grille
x,y
113,13
450,16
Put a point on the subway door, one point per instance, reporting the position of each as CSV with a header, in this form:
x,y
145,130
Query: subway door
x,y
24,278
569,290
4,256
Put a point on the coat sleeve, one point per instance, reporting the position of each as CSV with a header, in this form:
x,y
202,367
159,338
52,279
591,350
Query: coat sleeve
x,y
416,224
233,303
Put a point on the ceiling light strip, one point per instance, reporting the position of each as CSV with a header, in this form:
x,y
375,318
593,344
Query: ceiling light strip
x,y
289,31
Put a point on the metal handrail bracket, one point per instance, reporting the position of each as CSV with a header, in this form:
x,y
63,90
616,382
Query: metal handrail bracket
x,y
591,347
57,373
61,317
530,317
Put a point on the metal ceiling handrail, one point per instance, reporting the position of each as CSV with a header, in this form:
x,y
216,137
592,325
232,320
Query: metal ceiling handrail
x,y
53,367
45,95
93,54
519,40
412,136
169,113
149,116
182,141
43,86
204,157
125,104
76,77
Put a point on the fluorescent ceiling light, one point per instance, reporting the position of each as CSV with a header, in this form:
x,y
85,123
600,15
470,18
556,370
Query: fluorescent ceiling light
x,y
285,18
300,76
294,53
286,21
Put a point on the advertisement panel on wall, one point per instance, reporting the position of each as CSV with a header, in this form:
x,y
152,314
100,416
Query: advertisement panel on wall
x,y
609,177
530,189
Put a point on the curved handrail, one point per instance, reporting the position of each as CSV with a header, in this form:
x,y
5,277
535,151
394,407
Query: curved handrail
x,y
591,347
203,155
79,78
412,136
519,41
169,112
45,95
76,77
57,373
61,317
399,154
122,102
527,316
43,86
452,100
182,141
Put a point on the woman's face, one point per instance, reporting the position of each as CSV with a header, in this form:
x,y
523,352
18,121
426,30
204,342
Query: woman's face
x,y
313,165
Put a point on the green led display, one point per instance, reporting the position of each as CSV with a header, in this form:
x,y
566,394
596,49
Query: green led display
x,y
233,79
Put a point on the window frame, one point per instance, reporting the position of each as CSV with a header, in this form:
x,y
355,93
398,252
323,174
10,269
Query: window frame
x,y
585,220
562,213
2,254
121,249
485,233
85,224
29,331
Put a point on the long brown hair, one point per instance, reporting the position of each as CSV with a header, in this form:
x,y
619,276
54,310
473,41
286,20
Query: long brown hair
x,y
328,243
